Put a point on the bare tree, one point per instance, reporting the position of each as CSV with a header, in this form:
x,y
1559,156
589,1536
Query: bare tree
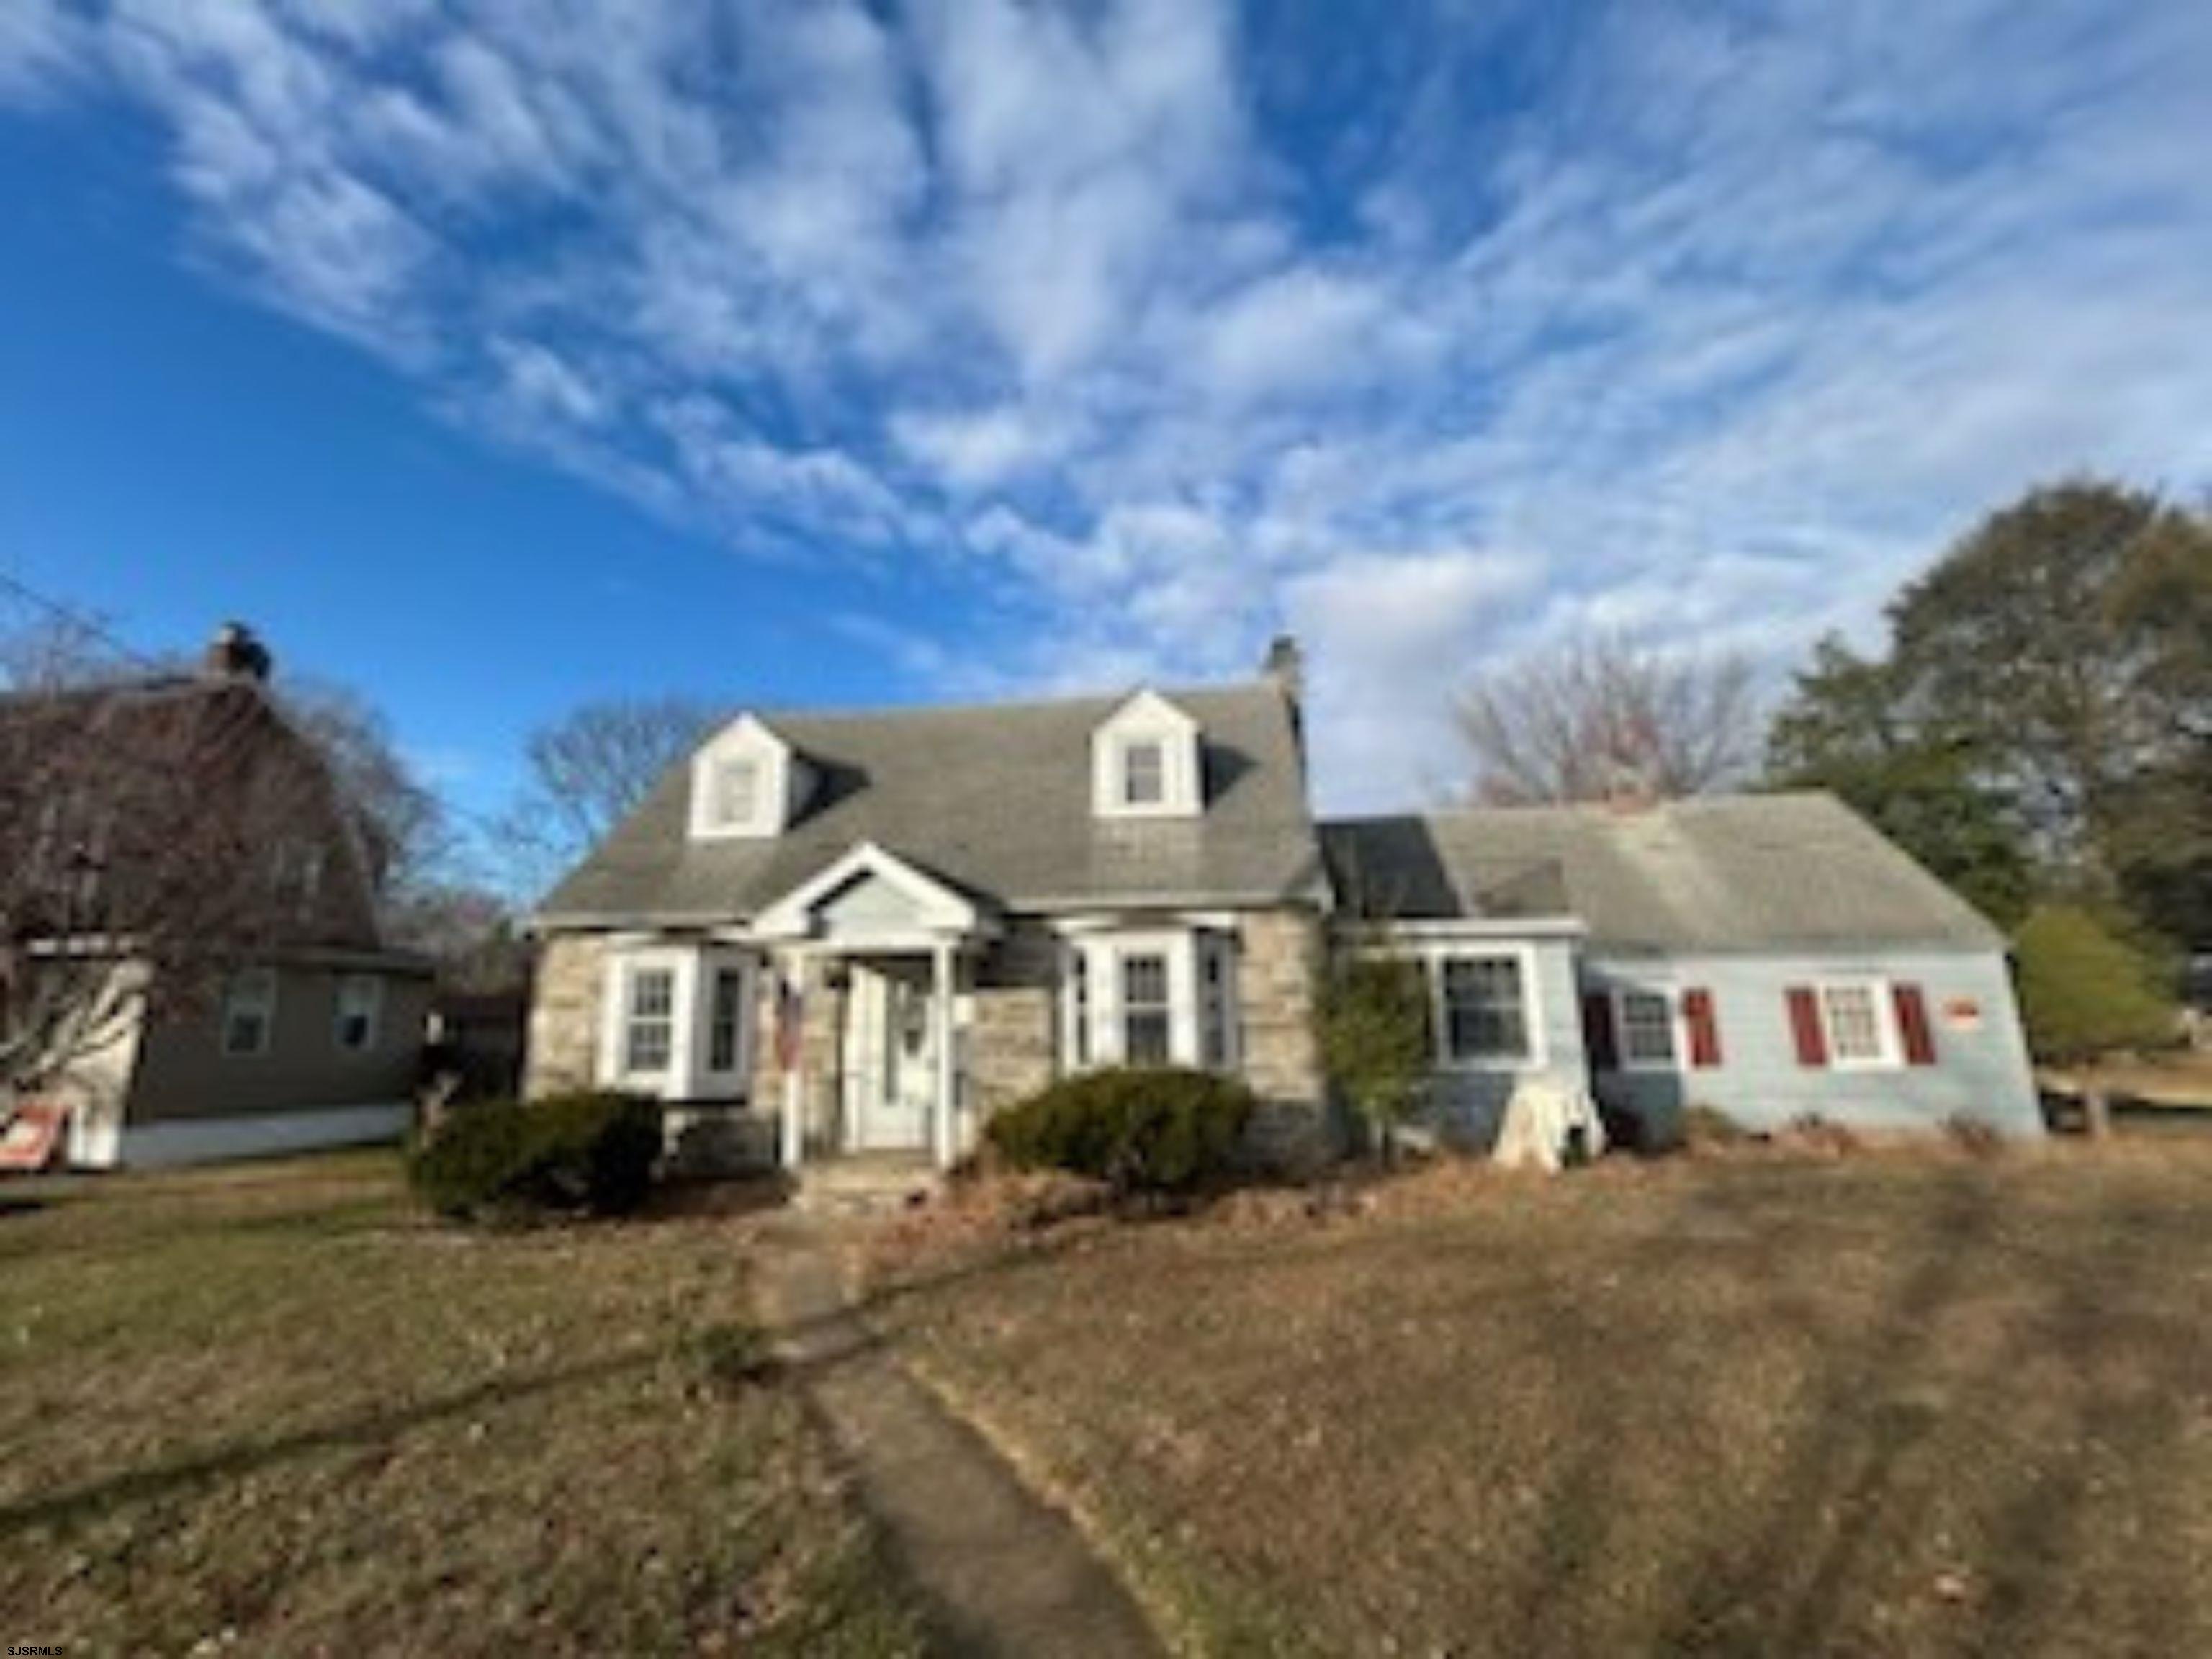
x,y
1600,716
592,768
407,833
154,838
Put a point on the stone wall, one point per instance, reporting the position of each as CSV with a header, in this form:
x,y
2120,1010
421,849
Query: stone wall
x,y
1275,991
564,1015
1012,1049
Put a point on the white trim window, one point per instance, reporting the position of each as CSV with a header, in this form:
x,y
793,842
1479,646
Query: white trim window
x,y
735,780
1147,1019
1646,1021
726,1054
1157,998
1858,1022
1485,1008
1219,1036
649,1020
359,1018
249,1014
677,1022
1143,773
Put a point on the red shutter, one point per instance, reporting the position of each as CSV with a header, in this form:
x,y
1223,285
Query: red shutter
x,y
1804,1024
1598,1037
1703,1021
1912,1025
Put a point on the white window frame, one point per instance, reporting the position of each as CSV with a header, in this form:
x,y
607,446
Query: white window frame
x,y
734,1079
1156,752
1677,1029
370,1012
692,969
1220,1012
256,988
1532,1008
1881,996
1101,1010
726,814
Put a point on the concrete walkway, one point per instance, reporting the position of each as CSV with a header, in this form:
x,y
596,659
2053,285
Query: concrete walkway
x,y
1003,1572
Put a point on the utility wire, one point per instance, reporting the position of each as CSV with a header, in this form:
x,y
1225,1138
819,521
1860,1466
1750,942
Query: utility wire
x,y
82,620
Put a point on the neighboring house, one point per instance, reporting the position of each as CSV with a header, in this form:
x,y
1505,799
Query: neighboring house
x,y
298,1029
827,934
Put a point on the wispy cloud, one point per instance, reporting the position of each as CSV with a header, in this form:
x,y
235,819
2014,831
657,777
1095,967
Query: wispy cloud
x,y
1183,326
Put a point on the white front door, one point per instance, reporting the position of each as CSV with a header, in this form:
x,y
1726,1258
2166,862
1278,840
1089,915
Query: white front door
x,y
890,1057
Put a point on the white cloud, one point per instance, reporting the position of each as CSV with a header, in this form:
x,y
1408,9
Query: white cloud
x,y
1167,328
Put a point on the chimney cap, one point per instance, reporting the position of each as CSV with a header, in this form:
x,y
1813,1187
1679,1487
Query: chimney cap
x,y
237,653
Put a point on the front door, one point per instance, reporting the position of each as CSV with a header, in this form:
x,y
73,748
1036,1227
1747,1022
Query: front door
x,y
892,1057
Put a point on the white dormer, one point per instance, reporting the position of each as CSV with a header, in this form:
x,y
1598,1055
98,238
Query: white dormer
x,y
746,783
1144,762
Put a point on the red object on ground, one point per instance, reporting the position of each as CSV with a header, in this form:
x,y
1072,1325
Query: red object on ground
x,y
34,1135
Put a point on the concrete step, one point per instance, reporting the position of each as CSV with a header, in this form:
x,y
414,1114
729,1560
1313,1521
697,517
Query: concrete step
x,y
872,1183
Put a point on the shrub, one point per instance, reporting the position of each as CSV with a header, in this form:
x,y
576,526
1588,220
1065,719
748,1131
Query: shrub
x,y
588,1151
2084,990
1371,1024
1163,1129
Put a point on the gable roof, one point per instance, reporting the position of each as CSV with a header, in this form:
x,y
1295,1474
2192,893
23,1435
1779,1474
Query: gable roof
x,y
993,799
1742,873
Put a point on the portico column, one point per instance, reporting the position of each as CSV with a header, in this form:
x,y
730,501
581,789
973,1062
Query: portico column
x,y
948,1145
790,1054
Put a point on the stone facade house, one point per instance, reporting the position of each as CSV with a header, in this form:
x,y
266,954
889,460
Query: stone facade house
x,y
828,934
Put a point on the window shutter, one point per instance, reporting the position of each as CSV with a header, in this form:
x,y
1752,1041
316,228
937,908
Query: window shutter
x,y
1598,1037
1912,1025
1805,1025
1703,1021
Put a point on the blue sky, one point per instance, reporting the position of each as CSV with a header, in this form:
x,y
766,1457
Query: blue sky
x,y
493,355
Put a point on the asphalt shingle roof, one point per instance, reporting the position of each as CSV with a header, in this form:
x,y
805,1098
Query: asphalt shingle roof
x,y
1725,873
994,799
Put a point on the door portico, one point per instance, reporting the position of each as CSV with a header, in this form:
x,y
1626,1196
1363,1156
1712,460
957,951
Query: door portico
x,y
888,942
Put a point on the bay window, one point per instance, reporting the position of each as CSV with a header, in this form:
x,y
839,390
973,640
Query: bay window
x,y
1150,999
678,1022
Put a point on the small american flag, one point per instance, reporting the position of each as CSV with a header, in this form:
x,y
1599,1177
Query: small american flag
x,y
790,1017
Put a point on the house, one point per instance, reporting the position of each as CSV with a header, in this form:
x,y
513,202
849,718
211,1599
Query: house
x,y
826,935
192,961
836,933
1772,957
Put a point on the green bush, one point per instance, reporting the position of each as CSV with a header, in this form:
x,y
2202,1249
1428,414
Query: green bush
x,y
589,1152
1159,1129
2085,989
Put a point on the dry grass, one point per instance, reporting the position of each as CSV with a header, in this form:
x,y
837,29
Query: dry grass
x,y
269,1407
1878,1404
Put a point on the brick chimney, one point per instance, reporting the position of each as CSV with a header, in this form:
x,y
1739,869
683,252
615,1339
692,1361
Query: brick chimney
x,y
236,653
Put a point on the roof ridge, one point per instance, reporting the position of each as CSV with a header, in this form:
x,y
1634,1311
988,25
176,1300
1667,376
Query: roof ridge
x,y
1001,705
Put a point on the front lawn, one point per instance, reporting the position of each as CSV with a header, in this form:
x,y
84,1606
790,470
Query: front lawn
x,y
269,1407
1885,1405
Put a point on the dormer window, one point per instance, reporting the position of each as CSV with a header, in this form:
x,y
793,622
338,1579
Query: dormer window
x,y
746,782
1143,774
1145,761
736,793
